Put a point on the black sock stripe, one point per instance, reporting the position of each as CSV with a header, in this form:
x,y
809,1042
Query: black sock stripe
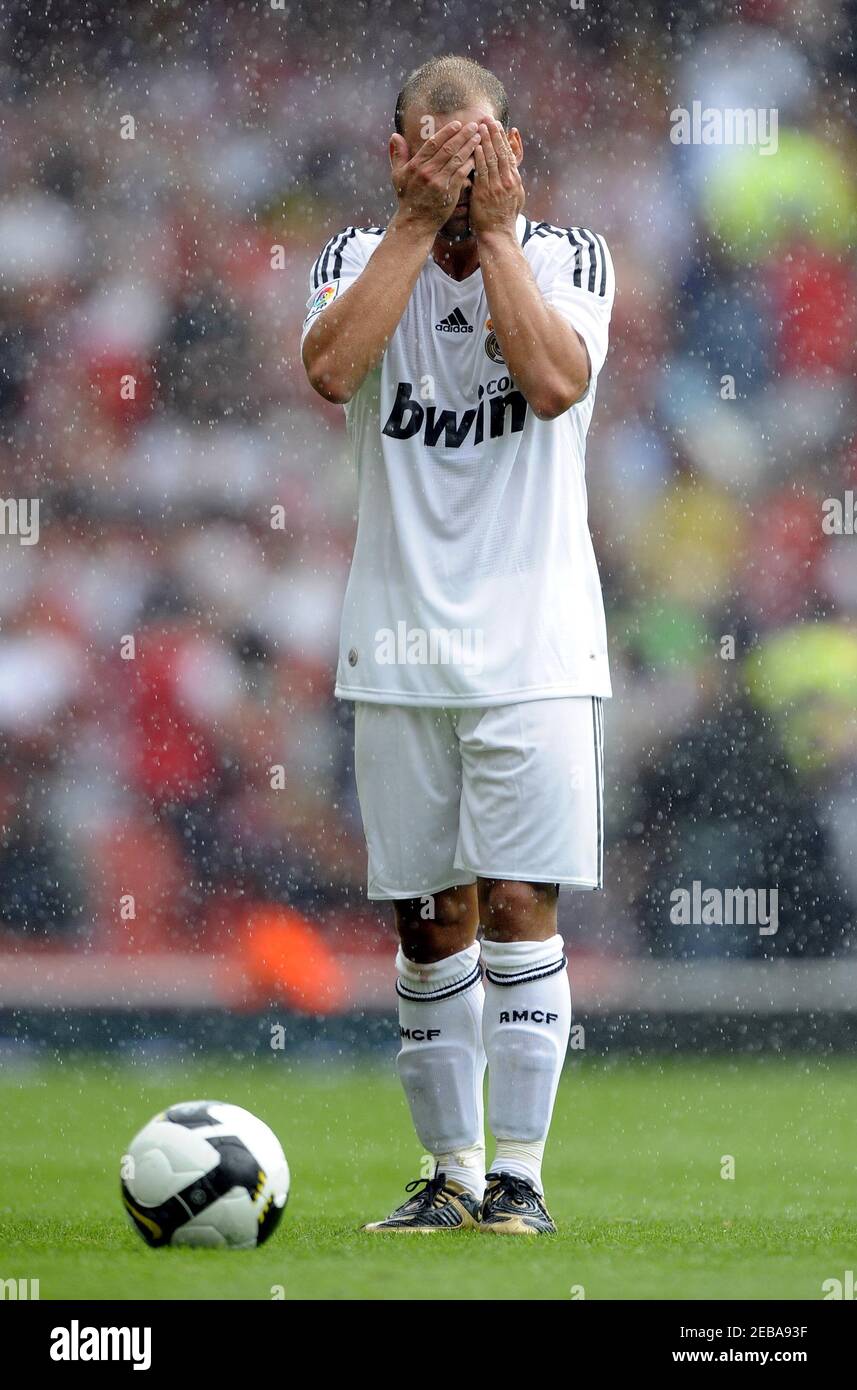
x,y
525,976
445,992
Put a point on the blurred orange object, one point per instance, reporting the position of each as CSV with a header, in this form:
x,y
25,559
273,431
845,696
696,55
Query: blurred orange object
x,y
286,957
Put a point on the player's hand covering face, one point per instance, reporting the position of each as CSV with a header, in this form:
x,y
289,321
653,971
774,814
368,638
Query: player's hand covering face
x,y
429,185
498,193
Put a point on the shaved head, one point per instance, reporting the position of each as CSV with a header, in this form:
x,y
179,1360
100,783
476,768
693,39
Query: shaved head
x,y
447,84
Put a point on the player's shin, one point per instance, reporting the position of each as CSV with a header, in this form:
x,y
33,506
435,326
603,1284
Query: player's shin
x,y
526,1024
442,1061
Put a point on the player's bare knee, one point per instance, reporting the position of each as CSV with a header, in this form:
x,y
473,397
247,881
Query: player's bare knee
x,y
513,910
437,925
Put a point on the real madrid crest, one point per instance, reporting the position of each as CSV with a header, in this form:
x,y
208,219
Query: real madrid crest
x,y
492,347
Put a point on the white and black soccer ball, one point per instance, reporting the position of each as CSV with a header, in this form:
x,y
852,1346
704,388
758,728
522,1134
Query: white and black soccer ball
x,y
205,1173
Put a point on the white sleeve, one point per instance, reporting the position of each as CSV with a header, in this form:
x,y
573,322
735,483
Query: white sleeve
x,y
581,286
338,266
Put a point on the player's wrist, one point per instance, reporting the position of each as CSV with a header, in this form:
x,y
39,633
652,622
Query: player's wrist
x,y
497,237
414,226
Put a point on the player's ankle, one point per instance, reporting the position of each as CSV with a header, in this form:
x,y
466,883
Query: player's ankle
x,y
466,1167
521,1160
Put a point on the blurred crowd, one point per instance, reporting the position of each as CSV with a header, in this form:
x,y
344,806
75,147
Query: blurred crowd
x,y
167,643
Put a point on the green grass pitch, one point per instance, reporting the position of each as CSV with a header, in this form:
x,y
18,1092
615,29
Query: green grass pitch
x,y
633,1178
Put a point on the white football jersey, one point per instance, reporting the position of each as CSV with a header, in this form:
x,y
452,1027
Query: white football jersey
x,y
473,580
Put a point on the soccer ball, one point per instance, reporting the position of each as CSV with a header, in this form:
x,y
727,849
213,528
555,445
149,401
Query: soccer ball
x,y
205,1173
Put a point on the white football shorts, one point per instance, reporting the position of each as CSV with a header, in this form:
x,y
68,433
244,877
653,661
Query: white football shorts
x,y
504,791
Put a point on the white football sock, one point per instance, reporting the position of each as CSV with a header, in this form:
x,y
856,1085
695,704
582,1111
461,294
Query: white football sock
x,y
442,1061
525,1025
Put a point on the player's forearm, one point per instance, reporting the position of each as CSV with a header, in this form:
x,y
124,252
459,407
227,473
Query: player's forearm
x,y
546,358
350,337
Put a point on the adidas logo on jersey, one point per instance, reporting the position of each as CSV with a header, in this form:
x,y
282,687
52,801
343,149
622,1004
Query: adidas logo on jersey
x,y
454,323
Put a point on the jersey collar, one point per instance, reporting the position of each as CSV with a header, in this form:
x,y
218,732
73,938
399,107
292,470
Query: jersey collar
x,y
521,225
